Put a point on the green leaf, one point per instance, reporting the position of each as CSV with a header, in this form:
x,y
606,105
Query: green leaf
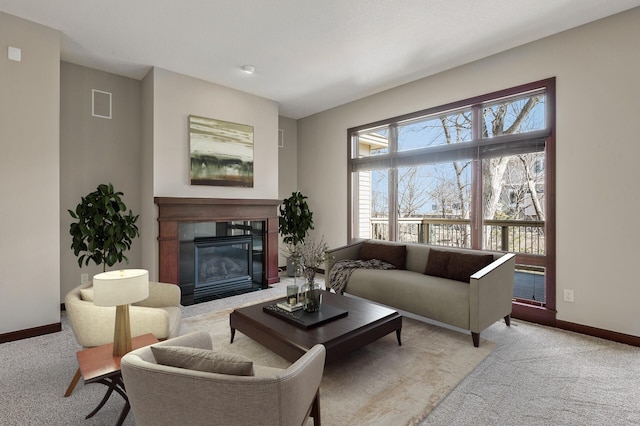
x,y
103,230
295,218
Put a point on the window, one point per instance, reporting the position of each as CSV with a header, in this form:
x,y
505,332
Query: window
x,y
474,173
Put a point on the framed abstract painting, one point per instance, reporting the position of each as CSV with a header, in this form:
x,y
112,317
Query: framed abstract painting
x,y
221,153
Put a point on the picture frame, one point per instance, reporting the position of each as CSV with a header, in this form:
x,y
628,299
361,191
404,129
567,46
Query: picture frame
x,y
220,152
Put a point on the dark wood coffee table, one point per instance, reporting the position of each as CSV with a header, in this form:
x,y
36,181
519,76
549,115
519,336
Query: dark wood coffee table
x,y
365,323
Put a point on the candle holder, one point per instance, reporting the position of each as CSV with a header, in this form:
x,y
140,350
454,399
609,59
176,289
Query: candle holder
x,y
292,295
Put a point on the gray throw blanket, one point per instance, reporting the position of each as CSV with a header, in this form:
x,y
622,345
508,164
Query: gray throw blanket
x,y
341,271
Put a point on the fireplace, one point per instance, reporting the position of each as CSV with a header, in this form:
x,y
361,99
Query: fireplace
x,y
220,259
223,264
236,240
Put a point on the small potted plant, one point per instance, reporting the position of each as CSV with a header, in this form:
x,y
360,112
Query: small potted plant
x,y
312,255
104,230
295,221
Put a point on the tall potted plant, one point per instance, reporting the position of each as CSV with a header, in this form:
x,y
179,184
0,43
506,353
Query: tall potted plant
x,y
296,219
104,229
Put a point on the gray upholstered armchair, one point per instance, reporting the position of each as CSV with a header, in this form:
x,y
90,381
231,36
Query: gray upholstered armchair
x,y
93,325
160,394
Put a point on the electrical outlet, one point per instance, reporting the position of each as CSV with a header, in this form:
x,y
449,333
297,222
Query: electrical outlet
x,y
568,295
84,278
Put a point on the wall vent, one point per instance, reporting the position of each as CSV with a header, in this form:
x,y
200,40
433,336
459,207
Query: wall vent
x,y
101,104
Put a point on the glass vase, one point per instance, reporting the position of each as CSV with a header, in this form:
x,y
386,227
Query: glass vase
x,y
311,293
296,270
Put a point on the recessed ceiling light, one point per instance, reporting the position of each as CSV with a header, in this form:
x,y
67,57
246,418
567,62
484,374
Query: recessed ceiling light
x,y
249,69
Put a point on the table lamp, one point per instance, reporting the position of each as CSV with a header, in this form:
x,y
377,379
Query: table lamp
x,y
119,289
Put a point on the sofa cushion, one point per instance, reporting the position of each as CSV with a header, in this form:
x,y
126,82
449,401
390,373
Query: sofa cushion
x,y
203,360
454,265
438,298
390,253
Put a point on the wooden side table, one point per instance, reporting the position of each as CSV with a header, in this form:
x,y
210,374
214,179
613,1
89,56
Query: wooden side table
x,y
98,365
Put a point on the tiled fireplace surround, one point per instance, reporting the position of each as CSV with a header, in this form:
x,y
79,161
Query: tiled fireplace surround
x,y
173,211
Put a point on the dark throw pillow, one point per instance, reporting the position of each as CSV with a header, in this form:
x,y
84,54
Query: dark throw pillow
x,y
390,253
438,263
463,265
203,360
455,266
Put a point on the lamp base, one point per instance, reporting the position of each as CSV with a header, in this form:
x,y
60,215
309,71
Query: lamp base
x,y
122,332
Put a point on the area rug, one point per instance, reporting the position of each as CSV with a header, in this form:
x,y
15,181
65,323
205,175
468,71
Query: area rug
x,y
380,384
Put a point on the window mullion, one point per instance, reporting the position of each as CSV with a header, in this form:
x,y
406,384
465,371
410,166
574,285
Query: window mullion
x,y
476,181
393,185
476,206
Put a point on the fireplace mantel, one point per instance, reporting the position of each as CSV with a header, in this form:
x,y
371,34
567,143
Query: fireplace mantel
x,y
174,210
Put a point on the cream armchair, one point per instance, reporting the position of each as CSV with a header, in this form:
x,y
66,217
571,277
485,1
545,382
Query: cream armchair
x,y
93,325
161,394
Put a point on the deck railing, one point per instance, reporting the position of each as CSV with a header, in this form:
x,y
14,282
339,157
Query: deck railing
x,y
517,236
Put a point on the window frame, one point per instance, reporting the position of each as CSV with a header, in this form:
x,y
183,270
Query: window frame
x,y
521,309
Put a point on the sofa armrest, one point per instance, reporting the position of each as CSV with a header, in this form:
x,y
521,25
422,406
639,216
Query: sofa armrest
x,y
350,251
161,295
491,292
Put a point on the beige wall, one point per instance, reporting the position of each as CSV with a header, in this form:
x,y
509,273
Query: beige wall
x,y
94,151
287,157
598,101
287,165
29,174
148,218
174,97
143,156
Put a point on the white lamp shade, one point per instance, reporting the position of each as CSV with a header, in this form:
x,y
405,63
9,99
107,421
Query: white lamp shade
x,y
115,288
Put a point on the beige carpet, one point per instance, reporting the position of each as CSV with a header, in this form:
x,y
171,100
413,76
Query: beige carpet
x,y
380,384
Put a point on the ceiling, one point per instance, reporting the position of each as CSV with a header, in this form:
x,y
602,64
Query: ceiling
x,y
309,55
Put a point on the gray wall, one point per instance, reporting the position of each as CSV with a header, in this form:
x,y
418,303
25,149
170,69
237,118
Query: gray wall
x,y
175,97
598,100
94,151
166,137
287,164
143,149
287,157
29,175
148,222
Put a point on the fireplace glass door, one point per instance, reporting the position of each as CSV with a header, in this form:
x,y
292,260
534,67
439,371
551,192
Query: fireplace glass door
x,y
222,264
